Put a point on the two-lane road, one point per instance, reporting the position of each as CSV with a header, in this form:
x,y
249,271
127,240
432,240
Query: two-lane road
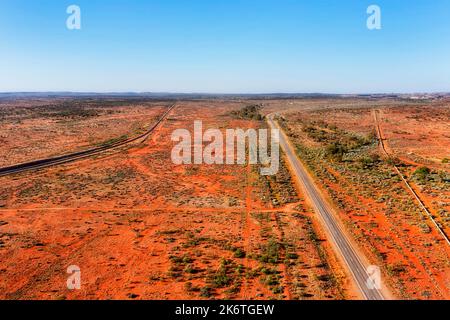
x,y
337,235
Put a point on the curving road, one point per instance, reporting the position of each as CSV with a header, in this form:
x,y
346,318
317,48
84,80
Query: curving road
x,y
50,162
346,250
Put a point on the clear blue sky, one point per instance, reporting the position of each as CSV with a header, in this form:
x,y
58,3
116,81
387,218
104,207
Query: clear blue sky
x,y
218,46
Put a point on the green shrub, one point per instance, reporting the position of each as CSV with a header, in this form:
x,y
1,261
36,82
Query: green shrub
x,y
422,173
249,112
239,253
335,151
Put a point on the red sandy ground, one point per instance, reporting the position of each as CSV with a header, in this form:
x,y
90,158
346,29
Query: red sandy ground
x,y
26,136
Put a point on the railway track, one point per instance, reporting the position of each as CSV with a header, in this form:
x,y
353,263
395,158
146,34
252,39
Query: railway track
x,y
54,161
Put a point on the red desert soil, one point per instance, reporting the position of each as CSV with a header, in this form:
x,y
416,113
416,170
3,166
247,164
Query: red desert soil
x,y
140,227
36,129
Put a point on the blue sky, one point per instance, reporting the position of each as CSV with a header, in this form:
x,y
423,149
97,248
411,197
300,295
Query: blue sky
x,y
225,46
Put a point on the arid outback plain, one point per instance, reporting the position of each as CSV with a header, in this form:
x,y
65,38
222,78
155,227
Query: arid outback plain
x,y
140,227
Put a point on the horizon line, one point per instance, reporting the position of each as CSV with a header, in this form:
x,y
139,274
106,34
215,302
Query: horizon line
x,y
217,93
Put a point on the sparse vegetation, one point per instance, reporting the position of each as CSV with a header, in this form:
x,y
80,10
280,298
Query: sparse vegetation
x,y
218,232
